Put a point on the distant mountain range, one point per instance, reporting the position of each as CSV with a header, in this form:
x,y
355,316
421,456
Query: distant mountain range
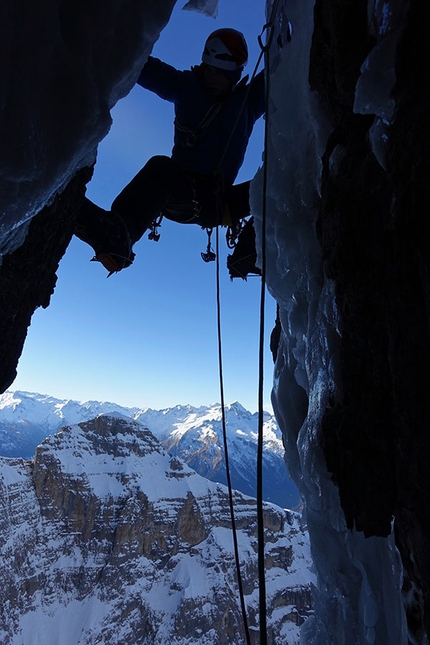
x,y
106,538
192,433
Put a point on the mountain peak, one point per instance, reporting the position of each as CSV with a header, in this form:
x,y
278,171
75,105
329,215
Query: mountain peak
x,y
140,541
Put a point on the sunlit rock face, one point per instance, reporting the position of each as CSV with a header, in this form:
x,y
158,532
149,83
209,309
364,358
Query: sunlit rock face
x,y
106,537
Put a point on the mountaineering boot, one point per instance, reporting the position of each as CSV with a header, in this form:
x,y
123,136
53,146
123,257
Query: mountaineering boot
x,y
107,234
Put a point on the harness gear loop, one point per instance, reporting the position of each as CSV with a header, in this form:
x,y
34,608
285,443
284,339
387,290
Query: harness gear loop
x,y
209,256
154,234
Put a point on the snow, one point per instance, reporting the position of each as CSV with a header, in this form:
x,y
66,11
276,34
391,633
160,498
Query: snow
x,y
11,473
39,628
108,468
190,574
194,434
53,413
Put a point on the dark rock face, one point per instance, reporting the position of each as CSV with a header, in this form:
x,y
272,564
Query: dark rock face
x,y
27,275
371,228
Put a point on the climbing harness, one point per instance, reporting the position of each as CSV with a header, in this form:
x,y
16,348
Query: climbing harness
x,y
192,136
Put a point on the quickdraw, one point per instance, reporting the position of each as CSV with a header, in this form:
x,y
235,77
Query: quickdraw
x,y
209,256
154,234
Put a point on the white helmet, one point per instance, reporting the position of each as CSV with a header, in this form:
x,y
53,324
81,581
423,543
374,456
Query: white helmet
x,y
226,49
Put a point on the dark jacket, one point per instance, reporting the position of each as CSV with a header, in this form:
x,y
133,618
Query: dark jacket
x,y
202,153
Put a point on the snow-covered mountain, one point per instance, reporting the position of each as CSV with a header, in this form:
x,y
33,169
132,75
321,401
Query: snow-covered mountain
x,y
107,538
193,434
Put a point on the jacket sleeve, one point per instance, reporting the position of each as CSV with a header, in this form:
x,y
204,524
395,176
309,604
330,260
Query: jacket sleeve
x,y
163,79
257,99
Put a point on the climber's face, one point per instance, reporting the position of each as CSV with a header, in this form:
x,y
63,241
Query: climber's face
x,y
216,81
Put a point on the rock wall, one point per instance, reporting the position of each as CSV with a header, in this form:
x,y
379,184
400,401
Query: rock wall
x,y
106,536
375,431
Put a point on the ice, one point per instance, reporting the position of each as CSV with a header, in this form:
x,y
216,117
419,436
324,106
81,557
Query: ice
x,y
207,7
373,90
358,595
373,94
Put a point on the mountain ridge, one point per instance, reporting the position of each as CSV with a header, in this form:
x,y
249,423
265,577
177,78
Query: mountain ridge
x,y
107,536
192,433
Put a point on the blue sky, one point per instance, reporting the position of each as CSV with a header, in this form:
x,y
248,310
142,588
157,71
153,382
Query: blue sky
x,y
147,336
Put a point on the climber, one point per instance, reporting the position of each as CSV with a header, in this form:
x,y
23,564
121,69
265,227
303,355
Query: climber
x,y
215,113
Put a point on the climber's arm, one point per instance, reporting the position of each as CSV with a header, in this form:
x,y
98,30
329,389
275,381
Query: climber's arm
x,y
163,79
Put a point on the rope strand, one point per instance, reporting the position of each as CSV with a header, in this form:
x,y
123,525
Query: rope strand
x,y
260,520
260,516
221,379
224,433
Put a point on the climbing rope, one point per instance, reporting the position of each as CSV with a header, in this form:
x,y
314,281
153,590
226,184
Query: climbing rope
x,y
265,50
269,28
220,367
224,434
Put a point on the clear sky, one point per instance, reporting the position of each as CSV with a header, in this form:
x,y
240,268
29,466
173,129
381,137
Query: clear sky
x,y
147,336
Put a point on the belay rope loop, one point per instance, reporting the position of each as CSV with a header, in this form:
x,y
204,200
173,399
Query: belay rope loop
x,y
260,514
265,48
221,379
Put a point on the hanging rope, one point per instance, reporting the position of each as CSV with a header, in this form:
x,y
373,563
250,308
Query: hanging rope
x,y
265,49
224,434
260,520
221,376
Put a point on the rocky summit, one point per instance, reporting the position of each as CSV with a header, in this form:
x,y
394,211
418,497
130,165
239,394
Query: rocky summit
x,y
194,434
107,538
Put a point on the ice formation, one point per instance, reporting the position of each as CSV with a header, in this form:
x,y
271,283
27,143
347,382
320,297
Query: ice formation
x,y
358,599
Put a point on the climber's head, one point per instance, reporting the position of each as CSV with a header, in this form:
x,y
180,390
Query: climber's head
x,y
224,57
226,49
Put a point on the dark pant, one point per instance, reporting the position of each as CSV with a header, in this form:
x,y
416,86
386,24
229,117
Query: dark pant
x,y
162,187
